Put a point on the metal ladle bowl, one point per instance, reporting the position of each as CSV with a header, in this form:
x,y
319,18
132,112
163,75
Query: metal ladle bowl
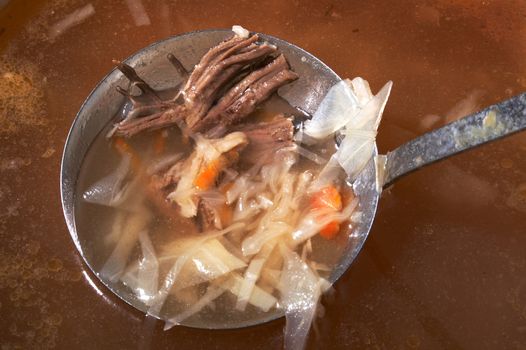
x,y
306,93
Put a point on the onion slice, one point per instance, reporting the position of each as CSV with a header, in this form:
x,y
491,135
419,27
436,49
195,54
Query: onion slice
x,y
357,147
300,293
335,110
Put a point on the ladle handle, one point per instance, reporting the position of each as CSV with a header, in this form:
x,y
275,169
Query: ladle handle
x,y
489,124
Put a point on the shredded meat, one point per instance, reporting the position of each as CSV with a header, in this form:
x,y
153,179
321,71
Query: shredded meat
x,y
264,139
161,182
206,216
217,68
242,99
224,88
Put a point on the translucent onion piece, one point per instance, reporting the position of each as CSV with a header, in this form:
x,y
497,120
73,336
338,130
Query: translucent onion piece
x,y
252,274
361,90
117,228
148,273
213,197
205,148
304,180
209,262
173,274
240,185
258,298
212,293
328,175
110,190
213,148
310,155
371,114
300,294
143,276
269,279
253,243
357,147
337,107
354,153
114,266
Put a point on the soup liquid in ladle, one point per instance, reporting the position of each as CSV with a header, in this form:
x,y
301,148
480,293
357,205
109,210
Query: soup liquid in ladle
x,y
95,222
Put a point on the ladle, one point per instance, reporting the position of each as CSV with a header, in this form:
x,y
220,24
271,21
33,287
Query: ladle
x,y
306,93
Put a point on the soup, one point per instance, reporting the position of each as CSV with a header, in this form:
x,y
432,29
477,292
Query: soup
x,y
217,205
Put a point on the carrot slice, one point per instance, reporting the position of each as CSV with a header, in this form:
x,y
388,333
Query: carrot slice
x,y
328,197
330,231
207,177
209,174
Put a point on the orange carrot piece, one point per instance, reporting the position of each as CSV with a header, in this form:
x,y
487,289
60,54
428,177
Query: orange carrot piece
x,y
328,197
330,231
209,174
206,178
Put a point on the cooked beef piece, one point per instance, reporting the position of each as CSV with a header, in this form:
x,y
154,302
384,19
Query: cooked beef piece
x,y
147,92
242,99
236,91
206,216
218,68
178,66
264,139
169,178
206,90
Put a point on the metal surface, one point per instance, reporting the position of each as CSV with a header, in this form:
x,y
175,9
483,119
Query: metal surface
x,y
487,125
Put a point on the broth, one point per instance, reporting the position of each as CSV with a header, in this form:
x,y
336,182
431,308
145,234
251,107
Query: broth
x,y
95,221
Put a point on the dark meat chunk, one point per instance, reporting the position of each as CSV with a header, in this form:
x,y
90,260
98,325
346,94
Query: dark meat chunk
x,y
213,214
206,216
168,179
218,68
264,139
242,99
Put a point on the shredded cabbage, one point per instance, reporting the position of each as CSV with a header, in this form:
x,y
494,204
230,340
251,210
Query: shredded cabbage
x,y
116,263
143,277
337,107
252,274
112,190
213,292
315,220
206,151
258,297
172,275
357,147
301,289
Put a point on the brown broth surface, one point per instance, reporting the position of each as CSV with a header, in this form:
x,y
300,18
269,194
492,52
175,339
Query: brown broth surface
x,y
445,262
